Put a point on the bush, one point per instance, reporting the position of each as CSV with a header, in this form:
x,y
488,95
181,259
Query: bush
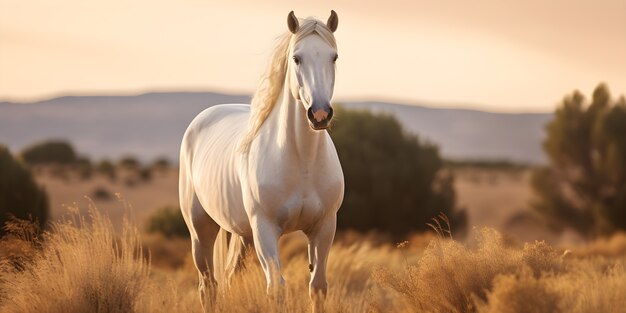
x,y
394,181
161,164
50,152
106,168
584,186
84,168
20,196
167,221
101,193
129,163
145,174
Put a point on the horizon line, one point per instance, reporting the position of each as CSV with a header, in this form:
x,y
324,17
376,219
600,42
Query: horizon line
x,y
432,104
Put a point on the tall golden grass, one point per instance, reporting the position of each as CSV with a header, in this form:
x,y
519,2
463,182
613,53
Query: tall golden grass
x,y
81,265
493,277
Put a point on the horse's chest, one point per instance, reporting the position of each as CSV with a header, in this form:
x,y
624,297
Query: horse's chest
x,y
303,207
299,199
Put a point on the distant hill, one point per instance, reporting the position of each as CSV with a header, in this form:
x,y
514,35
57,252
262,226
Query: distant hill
x,y
151,125
471,134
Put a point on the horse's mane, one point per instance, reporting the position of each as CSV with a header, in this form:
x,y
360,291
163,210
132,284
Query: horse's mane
x,y
272,81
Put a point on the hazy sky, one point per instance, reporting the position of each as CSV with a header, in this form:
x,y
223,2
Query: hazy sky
x,y
490,54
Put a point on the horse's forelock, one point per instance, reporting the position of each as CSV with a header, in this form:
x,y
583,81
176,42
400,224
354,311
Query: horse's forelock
x,y
311,25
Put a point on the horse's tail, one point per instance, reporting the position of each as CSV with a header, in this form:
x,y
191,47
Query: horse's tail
x,y
235,250
227,255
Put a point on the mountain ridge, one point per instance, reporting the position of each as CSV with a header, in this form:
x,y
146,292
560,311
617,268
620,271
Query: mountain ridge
x,y
116,125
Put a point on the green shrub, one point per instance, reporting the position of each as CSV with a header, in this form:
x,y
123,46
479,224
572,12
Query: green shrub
x,y
101,193
167,221
394,181
84,168
20,196
145,174
161,164
129,163
50,152
584,186
106,168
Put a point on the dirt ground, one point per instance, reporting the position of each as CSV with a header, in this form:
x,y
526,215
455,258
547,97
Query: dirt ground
x,y
144,197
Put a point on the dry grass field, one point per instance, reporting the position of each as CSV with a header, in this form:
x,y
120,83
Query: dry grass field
x,y
83,266
144,197
100,260
493,198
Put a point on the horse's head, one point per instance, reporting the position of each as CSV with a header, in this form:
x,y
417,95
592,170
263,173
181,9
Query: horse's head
x,y
312,57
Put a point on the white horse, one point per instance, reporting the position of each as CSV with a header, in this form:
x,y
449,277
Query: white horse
x,y
270,168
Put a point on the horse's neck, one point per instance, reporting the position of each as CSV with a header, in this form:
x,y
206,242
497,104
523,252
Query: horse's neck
x,y
294,135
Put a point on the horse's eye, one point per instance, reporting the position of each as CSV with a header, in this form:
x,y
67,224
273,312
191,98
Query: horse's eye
x,y
296,59
335,58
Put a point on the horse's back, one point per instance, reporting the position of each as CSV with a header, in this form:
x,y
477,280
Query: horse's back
x,y
219,113
210,152
218,126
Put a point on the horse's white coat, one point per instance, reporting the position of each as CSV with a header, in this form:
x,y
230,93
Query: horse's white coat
x,y
287,179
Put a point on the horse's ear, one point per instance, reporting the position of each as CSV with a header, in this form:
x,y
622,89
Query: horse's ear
x,y
292,22
333,21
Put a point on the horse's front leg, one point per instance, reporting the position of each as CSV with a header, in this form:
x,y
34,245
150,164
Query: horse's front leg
x,y
265,235
320,240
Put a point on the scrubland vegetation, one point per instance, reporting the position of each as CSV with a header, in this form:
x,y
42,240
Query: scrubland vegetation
x,y
385,167
20,196
395,183
584,186
80,265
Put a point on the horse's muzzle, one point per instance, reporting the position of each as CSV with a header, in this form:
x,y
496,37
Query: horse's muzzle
x,y
319,118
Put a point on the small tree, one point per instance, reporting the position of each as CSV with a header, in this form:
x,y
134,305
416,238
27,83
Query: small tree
x,y
50,152
394,181
584,186
20,196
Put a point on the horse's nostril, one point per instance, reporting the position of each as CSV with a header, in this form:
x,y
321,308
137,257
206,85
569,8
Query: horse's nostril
x,y
320,118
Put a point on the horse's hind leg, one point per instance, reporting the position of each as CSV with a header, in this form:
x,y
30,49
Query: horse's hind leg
x,y
203,234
